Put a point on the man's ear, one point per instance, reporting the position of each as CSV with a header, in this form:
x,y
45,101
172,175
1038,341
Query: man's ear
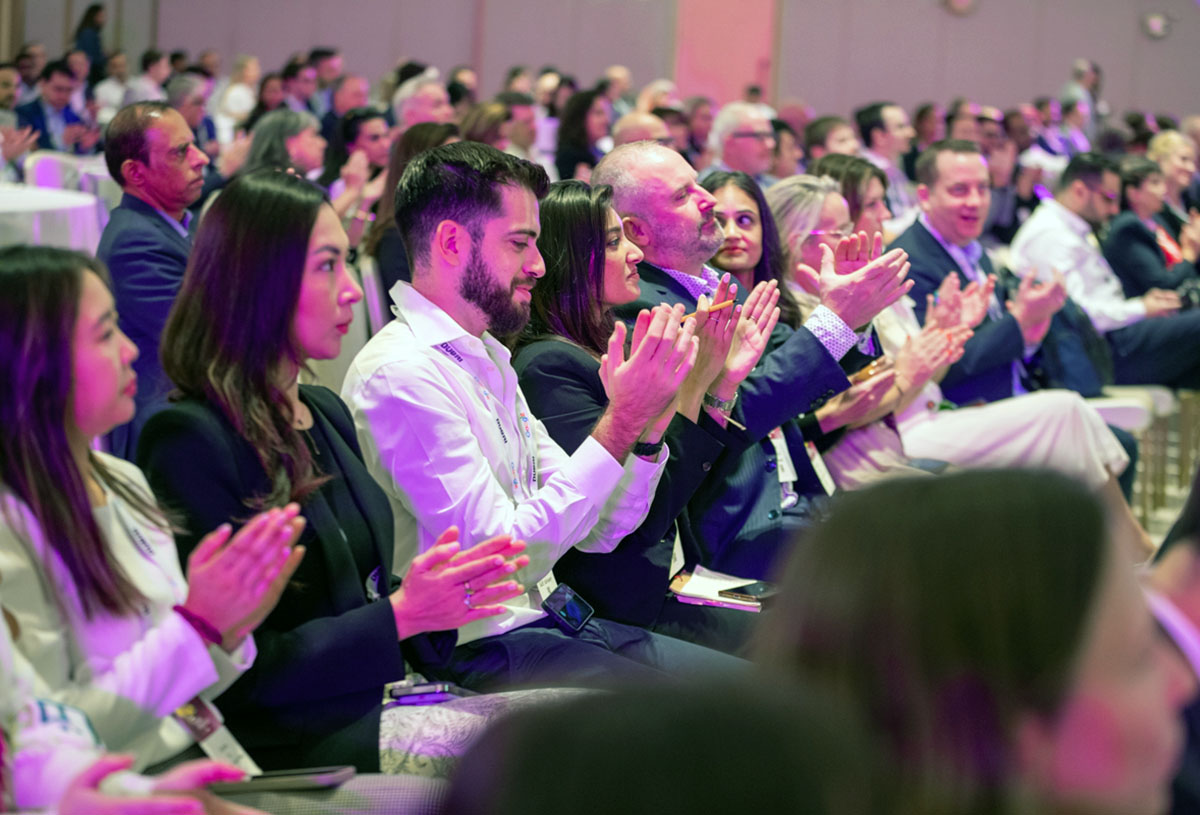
x,y
133,171
451,243
636,230
923,196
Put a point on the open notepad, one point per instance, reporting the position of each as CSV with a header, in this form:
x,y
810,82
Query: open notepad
x,y
703,587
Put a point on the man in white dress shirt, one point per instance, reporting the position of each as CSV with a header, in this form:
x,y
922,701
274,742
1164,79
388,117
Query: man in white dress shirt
x,y
449,436
1153,342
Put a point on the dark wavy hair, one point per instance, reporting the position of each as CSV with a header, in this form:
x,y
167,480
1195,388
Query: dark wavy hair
x,y
40,289
853,173
567,301
230,330
771,265
337,153
572,127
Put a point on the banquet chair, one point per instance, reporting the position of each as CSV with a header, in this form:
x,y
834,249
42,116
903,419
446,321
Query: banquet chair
x,y
50,168
374,296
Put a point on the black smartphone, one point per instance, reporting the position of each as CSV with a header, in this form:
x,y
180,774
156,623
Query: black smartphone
x,y
310,778
568,610
427,693
759,590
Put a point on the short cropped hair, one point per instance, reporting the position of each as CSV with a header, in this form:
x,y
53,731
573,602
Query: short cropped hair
x,y
181,87
125,137
1088,168
58,66
927,172
149,57
869,119
458,182
817,132
727,121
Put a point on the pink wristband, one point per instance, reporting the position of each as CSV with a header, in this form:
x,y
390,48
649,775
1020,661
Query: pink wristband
x,y
203,627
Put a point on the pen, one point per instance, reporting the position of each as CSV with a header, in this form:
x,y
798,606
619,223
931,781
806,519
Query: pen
x,y
717,307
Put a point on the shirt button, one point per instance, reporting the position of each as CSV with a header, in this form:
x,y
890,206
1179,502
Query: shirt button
x,y
706,466
773,514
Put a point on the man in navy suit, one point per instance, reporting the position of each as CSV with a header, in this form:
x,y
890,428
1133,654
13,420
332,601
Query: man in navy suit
x,y
51,116
955,191
151,152
763,487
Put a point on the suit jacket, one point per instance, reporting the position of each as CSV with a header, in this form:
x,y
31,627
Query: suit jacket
x,y
986,369
146,257
32,115
735,513
562,383
312,697
1132,251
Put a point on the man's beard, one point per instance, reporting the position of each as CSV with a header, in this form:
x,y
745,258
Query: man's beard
x,y
710,243
479,286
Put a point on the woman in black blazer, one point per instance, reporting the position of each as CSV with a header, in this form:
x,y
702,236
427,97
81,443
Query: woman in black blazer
x,y
266,289
591,267
1139,247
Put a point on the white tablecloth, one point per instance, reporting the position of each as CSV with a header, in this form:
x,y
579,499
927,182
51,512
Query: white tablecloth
x,y
47,217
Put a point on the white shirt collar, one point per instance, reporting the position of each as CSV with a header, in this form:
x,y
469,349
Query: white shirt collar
x,y
1077,225
432,325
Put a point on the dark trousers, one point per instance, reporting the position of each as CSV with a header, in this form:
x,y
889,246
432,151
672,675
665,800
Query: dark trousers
x,y
602,652
723,629
1158,351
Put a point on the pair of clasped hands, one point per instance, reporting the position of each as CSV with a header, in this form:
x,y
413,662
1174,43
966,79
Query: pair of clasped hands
x,y
673,361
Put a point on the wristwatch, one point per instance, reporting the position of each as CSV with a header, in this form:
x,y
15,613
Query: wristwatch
x,y
646,449
723,405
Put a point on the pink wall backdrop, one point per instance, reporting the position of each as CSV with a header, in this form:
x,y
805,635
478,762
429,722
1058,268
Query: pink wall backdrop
x,y
835,54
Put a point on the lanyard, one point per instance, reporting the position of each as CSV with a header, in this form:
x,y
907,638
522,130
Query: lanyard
x,y
523,484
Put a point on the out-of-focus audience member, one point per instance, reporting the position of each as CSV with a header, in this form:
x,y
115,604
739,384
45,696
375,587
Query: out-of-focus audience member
x,y
788,157
523,130
661,93
487,123
742,139
1139,247
830,134
286,139
237,99
518,79
188,94
148,86
1015,668
384,242
421,99
349,91
50,115
328,63
620,84
1152,341
1176,155
699,111
269,97
929,125
676,122
584,122
809,753
639,126
886,136
110,91
89,39
299,86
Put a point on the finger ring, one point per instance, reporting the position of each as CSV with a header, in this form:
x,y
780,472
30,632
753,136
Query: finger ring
x,y
467,586
467,601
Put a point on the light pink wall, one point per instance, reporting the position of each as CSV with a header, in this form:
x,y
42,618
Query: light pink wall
x,y
836,54
721,46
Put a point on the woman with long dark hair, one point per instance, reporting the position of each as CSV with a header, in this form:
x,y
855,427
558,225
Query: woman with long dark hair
x,y
989,625
591,267
269,97
584,121
751,251
93,588
267,289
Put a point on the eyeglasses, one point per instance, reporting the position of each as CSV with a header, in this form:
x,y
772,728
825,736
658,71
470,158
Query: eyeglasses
x,y
761,135
843,231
